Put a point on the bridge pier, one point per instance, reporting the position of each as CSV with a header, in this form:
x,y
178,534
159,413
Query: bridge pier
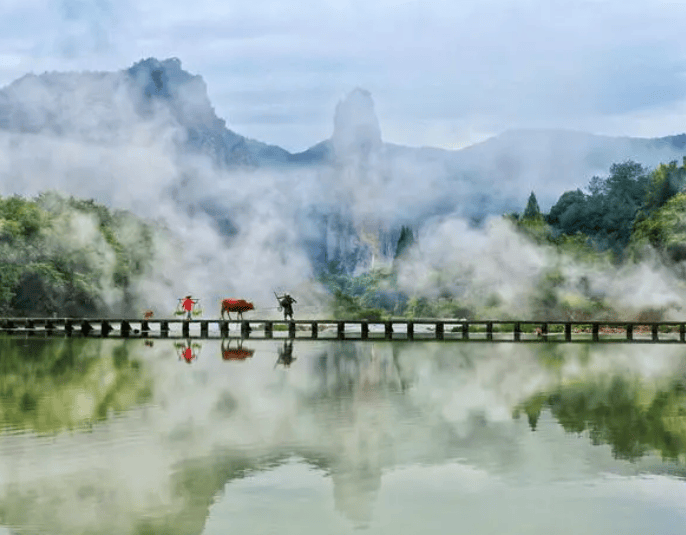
x,y
105,328
245,329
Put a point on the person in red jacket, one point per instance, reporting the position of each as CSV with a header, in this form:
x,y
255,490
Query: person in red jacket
x,y
187,305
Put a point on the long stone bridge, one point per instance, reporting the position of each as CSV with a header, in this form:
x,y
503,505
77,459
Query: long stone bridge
x,y
342,329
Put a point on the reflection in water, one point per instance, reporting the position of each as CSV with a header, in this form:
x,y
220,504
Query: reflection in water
x,y
357,435
188,351
52,385
286,357
634,417
236,353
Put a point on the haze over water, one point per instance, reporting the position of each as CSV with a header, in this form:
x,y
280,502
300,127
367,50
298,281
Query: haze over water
x,y
114,436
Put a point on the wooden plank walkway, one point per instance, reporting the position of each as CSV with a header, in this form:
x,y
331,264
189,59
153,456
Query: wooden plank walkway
x,y
395,329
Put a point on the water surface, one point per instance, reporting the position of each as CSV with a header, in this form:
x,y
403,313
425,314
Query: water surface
x,y
114,436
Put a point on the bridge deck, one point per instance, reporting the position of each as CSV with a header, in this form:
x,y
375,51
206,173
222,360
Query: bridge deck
x,y
405,329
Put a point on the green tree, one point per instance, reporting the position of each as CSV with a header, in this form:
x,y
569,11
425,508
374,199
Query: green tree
x,y
532,210
664,229
664,183
607,213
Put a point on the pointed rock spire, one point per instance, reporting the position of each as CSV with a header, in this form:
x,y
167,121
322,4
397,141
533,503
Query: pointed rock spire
x,y
356,129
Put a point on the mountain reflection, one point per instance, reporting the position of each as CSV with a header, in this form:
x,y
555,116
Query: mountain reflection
x,y
353,412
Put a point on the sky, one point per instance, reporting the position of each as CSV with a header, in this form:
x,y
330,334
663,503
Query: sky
x,y
442,73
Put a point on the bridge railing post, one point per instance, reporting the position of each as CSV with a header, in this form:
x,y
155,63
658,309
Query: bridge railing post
x,y
245,329
315,329
86,327
105,328
489,330
655,332
568,332
364,330
517,332
440,329
388,330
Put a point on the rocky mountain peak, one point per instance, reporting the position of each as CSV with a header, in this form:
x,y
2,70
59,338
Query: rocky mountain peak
x,y
356,128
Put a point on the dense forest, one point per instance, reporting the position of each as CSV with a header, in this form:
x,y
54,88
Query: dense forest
x,y
67,256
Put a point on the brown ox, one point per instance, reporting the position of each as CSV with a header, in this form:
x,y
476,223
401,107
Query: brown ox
x,y
236,305
148,314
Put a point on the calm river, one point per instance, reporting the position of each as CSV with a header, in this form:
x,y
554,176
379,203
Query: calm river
x,y
129,437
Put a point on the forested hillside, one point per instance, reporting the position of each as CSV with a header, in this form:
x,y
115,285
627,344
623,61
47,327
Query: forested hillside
x,y
630,225
67,256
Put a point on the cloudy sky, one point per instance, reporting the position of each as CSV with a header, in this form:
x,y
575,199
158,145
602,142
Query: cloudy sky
x,y
442,73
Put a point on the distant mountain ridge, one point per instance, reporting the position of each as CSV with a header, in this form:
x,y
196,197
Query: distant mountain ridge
x,y
360,184
33,104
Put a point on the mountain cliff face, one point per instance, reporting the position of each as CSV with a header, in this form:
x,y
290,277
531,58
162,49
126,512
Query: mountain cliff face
x,y
346,196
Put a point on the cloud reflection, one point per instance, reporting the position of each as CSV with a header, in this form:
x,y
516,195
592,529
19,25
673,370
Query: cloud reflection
x,y
358,414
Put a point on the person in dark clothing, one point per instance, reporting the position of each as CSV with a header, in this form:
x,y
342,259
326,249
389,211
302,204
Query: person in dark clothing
x,y
286,303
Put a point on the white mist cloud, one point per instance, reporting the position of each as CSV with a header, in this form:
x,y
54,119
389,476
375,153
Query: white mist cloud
x,y
500,266
91,143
